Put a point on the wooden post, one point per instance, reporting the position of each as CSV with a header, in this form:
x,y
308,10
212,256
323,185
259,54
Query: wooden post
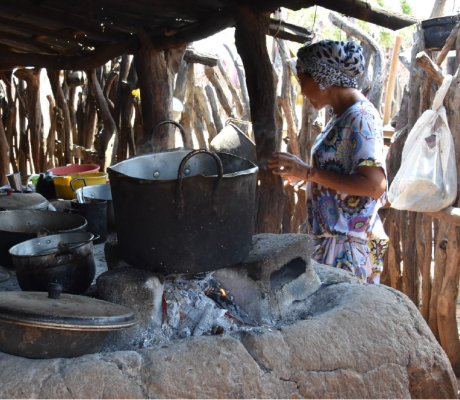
x,y
156,71
187,112
206,112
4,155
32,78
198,124
11,131
250,39
108,150
61,102
232,88
211,93
243,86
391,81
213,78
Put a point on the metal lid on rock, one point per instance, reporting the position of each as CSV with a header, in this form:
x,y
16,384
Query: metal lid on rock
x,y
23,201
68,312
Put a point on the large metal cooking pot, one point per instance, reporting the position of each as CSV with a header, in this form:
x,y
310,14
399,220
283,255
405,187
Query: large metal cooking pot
x,y
19,226
184,211
100,192
66,259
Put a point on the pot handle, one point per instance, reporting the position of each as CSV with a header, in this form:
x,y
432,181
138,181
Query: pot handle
x,y
42,232
77,179
169,121
180,202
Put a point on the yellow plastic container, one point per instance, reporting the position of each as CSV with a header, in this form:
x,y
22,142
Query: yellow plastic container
x,y
62,183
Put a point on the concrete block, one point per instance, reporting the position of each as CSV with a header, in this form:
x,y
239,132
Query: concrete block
x,y
276,276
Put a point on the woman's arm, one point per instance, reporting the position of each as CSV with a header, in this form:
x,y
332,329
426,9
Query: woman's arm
x,y
367,181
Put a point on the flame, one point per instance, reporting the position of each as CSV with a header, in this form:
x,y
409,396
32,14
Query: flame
x,y
223,292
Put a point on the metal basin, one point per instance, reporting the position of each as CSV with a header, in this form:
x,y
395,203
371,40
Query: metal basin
x,y
184,211
19,226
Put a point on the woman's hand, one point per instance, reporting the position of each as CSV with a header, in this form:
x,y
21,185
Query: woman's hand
x,y
290,168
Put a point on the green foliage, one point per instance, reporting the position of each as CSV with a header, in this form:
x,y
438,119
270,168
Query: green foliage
x,y
406,8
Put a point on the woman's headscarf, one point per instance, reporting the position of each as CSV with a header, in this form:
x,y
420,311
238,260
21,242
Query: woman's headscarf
x,y
332,62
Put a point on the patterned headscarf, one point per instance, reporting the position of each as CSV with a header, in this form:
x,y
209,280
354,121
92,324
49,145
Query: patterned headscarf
x,y
332,62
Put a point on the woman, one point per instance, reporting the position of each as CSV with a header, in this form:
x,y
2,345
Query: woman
x,y
347,178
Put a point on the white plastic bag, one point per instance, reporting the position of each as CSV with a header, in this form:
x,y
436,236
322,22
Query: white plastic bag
x,y
427,178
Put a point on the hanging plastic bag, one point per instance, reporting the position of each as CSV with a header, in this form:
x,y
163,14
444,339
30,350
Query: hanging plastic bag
x,y
427,178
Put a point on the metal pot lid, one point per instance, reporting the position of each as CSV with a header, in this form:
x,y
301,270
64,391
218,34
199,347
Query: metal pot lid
x,y
68,312
23,201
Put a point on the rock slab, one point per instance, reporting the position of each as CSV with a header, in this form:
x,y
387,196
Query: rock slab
x,y
358,341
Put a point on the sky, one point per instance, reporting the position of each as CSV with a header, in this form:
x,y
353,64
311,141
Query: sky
x,y
422,8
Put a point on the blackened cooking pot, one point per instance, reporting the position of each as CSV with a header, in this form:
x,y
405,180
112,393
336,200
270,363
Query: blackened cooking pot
x,y
184,211
66,259
19,226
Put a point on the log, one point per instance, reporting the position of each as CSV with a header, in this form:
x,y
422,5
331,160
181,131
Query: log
x,y
187,112
155,72
11,131
430,67
449,214
408,221
50,148
198,124
246,116
61,102
447,301
107,150
391,81
212,99
181,82
439,272
251,44
375,94
287,31
448,45
286,104
215,81
4,155
32,77
23,149
426,266
127,102
206,112
438,8
76,136
354,8
394,251
193,56
308,131
231,87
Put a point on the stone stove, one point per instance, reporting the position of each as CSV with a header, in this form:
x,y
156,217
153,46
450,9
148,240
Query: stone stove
x,y
289,328
272,285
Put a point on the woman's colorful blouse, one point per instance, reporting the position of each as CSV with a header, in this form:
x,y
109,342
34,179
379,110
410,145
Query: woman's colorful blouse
x,y
354,139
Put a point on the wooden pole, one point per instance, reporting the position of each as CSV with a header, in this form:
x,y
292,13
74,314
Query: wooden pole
x,y
32,77
187,112
392,80
206,112
250,41
4,155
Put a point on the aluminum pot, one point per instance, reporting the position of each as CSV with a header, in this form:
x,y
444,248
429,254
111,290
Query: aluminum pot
x,y
21,225
66,259
100,192
184,211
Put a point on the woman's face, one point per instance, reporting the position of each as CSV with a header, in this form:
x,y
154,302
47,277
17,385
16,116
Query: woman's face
x,y
311,91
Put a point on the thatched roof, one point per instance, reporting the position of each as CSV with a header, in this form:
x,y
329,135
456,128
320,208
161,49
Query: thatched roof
x,y
83,34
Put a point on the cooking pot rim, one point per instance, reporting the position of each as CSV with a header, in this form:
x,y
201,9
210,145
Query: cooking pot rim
x,y
15,230
19,245
249,171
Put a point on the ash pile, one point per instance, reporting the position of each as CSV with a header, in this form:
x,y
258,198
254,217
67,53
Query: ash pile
x,y
272,285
